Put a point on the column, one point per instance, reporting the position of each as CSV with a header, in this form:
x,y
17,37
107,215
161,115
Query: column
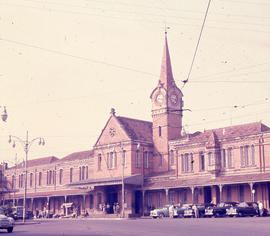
x,y
84,209
192,194
167,195
176,162
252,191
143,193
48,204
220,186
32,204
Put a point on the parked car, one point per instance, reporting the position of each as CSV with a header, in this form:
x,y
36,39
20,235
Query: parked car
x,y
189,212
6,223
202,207
17,212
163,212
181,210
244,209
219,210
160,212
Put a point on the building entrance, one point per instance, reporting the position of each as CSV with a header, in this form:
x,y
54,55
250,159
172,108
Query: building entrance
x,y
207,194
112,199
138,202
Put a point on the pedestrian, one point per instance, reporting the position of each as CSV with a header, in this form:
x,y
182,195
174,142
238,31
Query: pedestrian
x,y
260,205
171,210
44,215
108,208
117,208
37,213
196,212
114,208
104,208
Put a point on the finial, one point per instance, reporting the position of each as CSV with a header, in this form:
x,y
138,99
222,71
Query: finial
x,y
166,28
112,111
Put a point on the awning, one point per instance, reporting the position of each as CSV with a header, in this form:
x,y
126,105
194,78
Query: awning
x,y
91,183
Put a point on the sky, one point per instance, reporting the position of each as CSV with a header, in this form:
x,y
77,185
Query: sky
x,y
65,63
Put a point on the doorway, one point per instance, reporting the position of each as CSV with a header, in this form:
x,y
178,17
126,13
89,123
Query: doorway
x,y
207,194
138,202
112,198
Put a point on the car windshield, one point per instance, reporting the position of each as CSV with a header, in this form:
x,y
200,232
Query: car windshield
x,y
252,204
243,204
185,206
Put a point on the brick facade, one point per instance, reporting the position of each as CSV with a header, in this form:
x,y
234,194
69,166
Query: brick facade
x,y
156,161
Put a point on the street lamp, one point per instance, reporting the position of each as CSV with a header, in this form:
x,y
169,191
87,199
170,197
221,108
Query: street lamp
x,y
26,145
123,183
4,115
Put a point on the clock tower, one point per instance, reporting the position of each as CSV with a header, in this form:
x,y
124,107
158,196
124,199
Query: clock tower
x,y
167,107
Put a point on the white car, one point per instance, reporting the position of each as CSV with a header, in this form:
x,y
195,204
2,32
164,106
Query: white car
x,y
7,223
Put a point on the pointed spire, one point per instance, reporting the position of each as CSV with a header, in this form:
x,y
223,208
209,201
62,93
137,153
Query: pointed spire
x,y
166,76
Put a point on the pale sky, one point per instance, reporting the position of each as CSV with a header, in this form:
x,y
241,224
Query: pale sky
x,y
65,63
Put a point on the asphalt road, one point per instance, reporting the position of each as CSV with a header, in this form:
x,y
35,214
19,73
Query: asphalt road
x,y
248,226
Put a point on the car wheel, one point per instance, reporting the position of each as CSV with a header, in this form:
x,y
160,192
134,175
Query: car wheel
x,y
10,229
161,215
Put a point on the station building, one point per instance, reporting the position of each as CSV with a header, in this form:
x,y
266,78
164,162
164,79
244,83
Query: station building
x,y
143,165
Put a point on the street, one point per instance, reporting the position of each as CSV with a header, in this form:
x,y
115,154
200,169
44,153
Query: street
x,y
248,226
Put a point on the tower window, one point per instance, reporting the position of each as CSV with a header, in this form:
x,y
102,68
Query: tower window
x,y
159,131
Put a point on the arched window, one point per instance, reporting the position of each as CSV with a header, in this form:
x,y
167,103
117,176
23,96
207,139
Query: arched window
x,y
61,176
31,180
202,162
172,162
40,179
137,162
99,161
13,182
86,172
83,172
70,175
253,155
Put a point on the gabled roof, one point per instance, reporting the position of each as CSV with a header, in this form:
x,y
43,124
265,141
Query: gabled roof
x,y
78,156
212,141
137,129
38,162
227,132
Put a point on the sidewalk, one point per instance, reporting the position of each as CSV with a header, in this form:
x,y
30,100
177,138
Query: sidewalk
x,y
27,222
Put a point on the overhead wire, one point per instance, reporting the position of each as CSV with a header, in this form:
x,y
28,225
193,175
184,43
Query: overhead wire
x,y
77,57
197,45
137,19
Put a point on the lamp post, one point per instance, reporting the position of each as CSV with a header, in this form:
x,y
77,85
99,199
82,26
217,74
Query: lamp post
x,y
123,183
26,145
4,114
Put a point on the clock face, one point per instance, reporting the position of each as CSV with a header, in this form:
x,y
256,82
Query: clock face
x,y
159,98
112,131
173,98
